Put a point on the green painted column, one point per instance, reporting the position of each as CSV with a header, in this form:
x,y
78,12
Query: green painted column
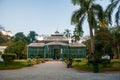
x,y
44,52
28,52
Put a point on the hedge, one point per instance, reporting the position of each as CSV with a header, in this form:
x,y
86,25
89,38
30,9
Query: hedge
x,y
8,57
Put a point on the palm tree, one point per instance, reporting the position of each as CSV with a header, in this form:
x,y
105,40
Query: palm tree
x,y
92,12
67,33
77,33
111,8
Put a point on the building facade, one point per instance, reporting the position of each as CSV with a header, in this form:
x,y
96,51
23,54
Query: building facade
x,y
56,46
2,49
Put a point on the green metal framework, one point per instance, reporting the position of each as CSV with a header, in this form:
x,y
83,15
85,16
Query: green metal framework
x,y
35,51
56,46
57,52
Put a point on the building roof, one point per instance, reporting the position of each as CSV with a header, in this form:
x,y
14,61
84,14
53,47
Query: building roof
x,y
36,44
57,43
56,38
76,45
57,34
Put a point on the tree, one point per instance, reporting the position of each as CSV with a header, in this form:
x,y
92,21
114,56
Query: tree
x,y
3,38
32,36
67,33
93,12
20,36
111,8
76,35
103,43
24,52
115,31
17,48
2,28
17,45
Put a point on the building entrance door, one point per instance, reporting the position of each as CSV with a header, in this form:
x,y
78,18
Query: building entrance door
x,y
56,54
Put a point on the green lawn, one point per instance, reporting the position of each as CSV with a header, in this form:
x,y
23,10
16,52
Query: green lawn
x,y
114,66
82,65
15,64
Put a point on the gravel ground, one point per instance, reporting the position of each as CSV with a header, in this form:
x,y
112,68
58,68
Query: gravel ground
x,y
55,70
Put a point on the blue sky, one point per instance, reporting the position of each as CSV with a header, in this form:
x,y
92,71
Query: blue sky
x,y
41,16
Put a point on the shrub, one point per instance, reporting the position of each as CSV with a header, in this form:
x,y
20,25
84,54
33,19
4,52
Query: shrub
x,y
105,62
8,57
77,60
37,57
90,61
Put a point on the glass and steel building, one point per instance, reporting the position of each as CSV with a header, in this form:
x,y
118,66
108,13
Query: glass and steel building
x,y
56,46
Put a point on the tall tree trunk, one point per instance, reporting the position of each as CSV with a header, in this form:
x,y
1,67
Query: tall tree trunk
x,y
91,34
92,39
118,52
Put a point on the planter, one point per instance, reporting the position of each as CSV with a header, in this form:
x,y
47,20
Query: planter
x,y
95,67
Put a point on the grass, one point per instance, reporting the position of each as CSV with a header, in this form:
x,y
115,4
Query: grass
x,y
82,65
113,66
15,64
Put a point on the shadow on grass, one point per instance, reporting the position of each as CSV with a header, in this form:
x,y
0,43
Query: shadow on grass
x,y
13,65
83,66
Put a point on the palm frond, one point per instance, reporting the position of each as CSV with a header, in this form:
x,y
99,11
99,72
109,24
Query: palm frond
x,y
79,30
99,10
85,3
112,1
79,26
77,15
91,16
77,2
110,9
117,17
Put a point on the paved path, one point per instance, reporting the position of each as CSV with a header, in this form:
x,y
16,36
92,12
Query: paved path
x,y
54,71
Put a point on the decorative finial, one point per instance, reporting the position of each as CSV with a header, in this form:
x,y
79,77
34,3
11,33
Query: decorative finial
x,y
57,32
